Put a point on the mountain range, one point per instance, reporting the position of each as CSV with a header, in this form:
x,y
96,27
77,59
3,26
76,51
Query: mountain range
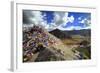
x,y
68,33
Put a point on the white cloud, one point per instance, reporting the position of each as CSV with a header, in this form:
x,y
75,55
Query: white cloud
x,y
83,21
88,27
43,23
65,17
71,19
58,18
61,19
86,22
37,17
79,18
73,28
70,28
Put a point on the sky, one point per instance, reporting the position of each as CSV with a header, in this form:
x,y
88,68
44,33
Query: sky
x,y
51,20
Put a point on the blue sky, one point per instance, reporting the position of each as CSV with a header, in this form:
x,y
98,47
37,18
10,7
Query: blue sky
x,y
49,16
78,15
77,18
61,20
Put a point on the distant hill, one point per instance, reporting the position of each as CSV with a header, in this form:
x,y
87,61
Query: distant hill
x,y
60,34
68,33
83,32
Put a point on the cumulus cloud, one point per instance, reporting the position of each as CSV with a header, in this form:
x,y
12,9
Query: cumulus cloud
x,y
71,19
37,17
59,20
85,21
33,18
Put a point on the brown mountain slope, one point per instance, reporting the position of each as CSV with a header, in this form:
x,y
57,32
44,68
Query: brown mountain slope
x,y
40,45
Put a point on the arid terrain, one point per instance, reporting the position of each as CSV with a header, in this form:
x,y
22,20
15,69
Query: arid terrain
x,y
56,45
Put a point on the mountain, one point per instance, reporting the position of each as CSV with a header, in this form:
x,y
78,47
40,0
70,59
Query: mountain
x,y
60,34
40,45
68,33
83,32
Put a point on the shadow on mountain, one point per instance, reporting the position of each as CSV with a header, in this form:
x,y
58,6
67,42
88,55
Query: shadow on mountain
x,y
40,45
60,34
47,55
69,33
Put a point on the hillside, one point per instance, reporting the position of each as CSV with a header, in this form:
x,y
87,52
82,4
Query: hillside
x,y
79,41
60,34
69,33
40,45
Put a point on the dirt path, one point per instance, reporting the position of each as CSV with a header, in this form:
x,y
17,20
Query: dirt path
x,y
66,50
59,49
